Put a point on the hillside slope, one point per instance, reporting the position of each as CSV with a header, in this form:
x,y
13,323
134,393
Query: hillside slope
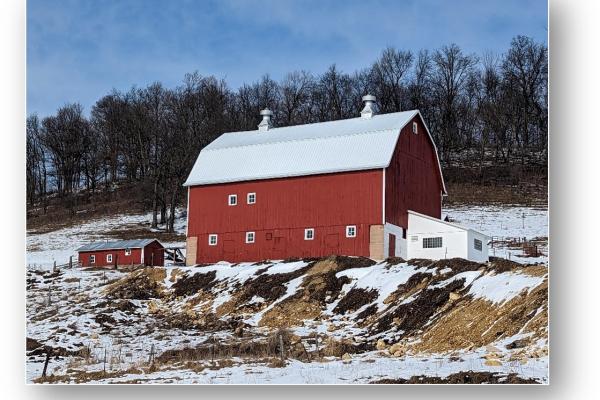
x,y
339,319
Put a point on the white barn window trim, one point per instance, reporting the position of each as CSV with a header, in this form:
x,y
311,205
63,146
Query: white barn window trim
x,y
415,128
232,200
127,252
109,258
309,233
477,244
212,239
251,198
93,259
432,242
250,237
351,231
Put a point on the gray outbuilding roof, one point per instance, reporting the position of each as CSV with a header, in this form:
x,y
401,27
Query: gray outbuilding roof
x,y
117,244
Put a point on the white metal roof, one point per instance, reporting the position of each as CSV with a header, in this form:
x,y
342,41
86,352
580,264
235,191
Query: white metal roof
x,y
117,244
441,221
319,148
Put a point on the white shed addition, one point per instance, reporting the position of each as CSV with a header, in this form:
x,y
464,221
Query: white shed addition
x,y
432,238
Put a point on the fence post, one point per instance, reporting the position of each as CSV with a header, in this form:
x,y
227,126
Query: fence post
x,y
281,347
104,366
46,363
70,262
151,358
54,268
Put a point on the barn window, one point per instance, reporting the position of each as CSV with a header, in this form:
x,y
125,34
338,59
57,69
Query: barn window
x,y
415,128
92,259
351,231
233,199
127,252
212,240
249,237
309,234
431,243
477,244
251,198
109,258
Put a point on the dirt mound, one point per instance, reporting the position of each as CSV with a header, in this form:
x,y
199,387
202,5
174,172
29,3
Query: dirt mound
x,y
479,322
469,377
189,285
355,299
412,316
269,287
142,284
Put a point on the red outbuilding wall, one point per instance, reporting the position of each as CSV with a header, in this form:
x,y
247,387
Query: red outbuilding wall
x,y
119,255
413,180
283,209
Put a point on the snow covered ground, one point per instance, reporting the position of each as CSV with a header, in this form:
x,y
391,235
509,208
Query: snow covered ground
x,y
67,312
46,248
505,224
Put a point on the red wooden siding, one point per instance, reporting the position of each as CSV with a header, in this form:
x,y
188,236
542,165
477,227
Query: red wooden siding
x,y
283,209
119,255
412,180
154,254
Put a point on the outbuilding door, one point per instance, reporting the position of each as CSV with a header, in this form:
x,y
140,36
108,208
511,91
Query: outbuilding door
x,y
392,242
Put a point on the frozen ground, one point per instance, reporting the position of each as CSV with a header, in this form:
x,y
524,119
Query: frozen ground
x,y
71,312
46,248
505,225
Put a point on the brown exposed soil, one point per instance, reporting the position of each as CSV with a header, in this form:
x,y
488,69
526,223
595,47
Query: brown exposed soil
x,y
478,322
142,284
189,285
412,316
468,377
355,299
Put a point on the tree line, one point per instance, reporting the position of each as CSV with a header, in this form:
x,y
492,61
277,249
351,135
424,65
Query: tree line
x,y
483,109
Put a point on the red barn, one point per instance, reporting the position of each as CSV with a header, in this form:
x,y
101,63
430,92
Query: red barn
x,y
122,253
338,187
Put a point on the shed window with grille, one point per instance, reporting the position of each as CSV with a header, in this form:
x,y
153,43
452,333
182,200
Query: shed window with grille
x,y
212,240
432,243
109,258
92,259
477,244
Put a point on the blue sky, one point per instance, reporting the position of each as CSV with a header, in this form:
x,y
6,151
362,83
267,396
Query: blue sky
x,y
79,50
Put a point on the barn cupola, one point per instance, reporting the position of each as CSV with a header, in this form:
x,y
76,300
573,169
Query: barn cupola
x,y
368,111
265,124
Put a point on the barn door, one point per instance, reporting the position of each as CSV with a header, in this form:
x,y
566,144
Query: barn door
x,y
392,246
279,247
332,244
228,249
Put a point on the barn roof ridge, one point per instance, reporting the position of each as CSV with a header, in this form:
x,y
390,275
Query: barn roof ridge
x,y
300,139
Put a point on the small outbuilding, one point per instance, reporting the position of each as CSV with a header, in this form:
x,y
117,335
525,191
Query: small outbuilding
x,y
149,252
433,238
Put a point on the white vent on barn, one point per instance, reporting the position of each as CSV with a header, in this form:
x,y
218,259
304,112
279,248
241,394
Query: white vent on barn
x,y
368,111
265,124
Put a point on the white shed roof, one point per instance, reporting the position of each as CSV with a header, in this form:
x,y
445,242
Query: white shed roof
x,y
326,147
441,221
